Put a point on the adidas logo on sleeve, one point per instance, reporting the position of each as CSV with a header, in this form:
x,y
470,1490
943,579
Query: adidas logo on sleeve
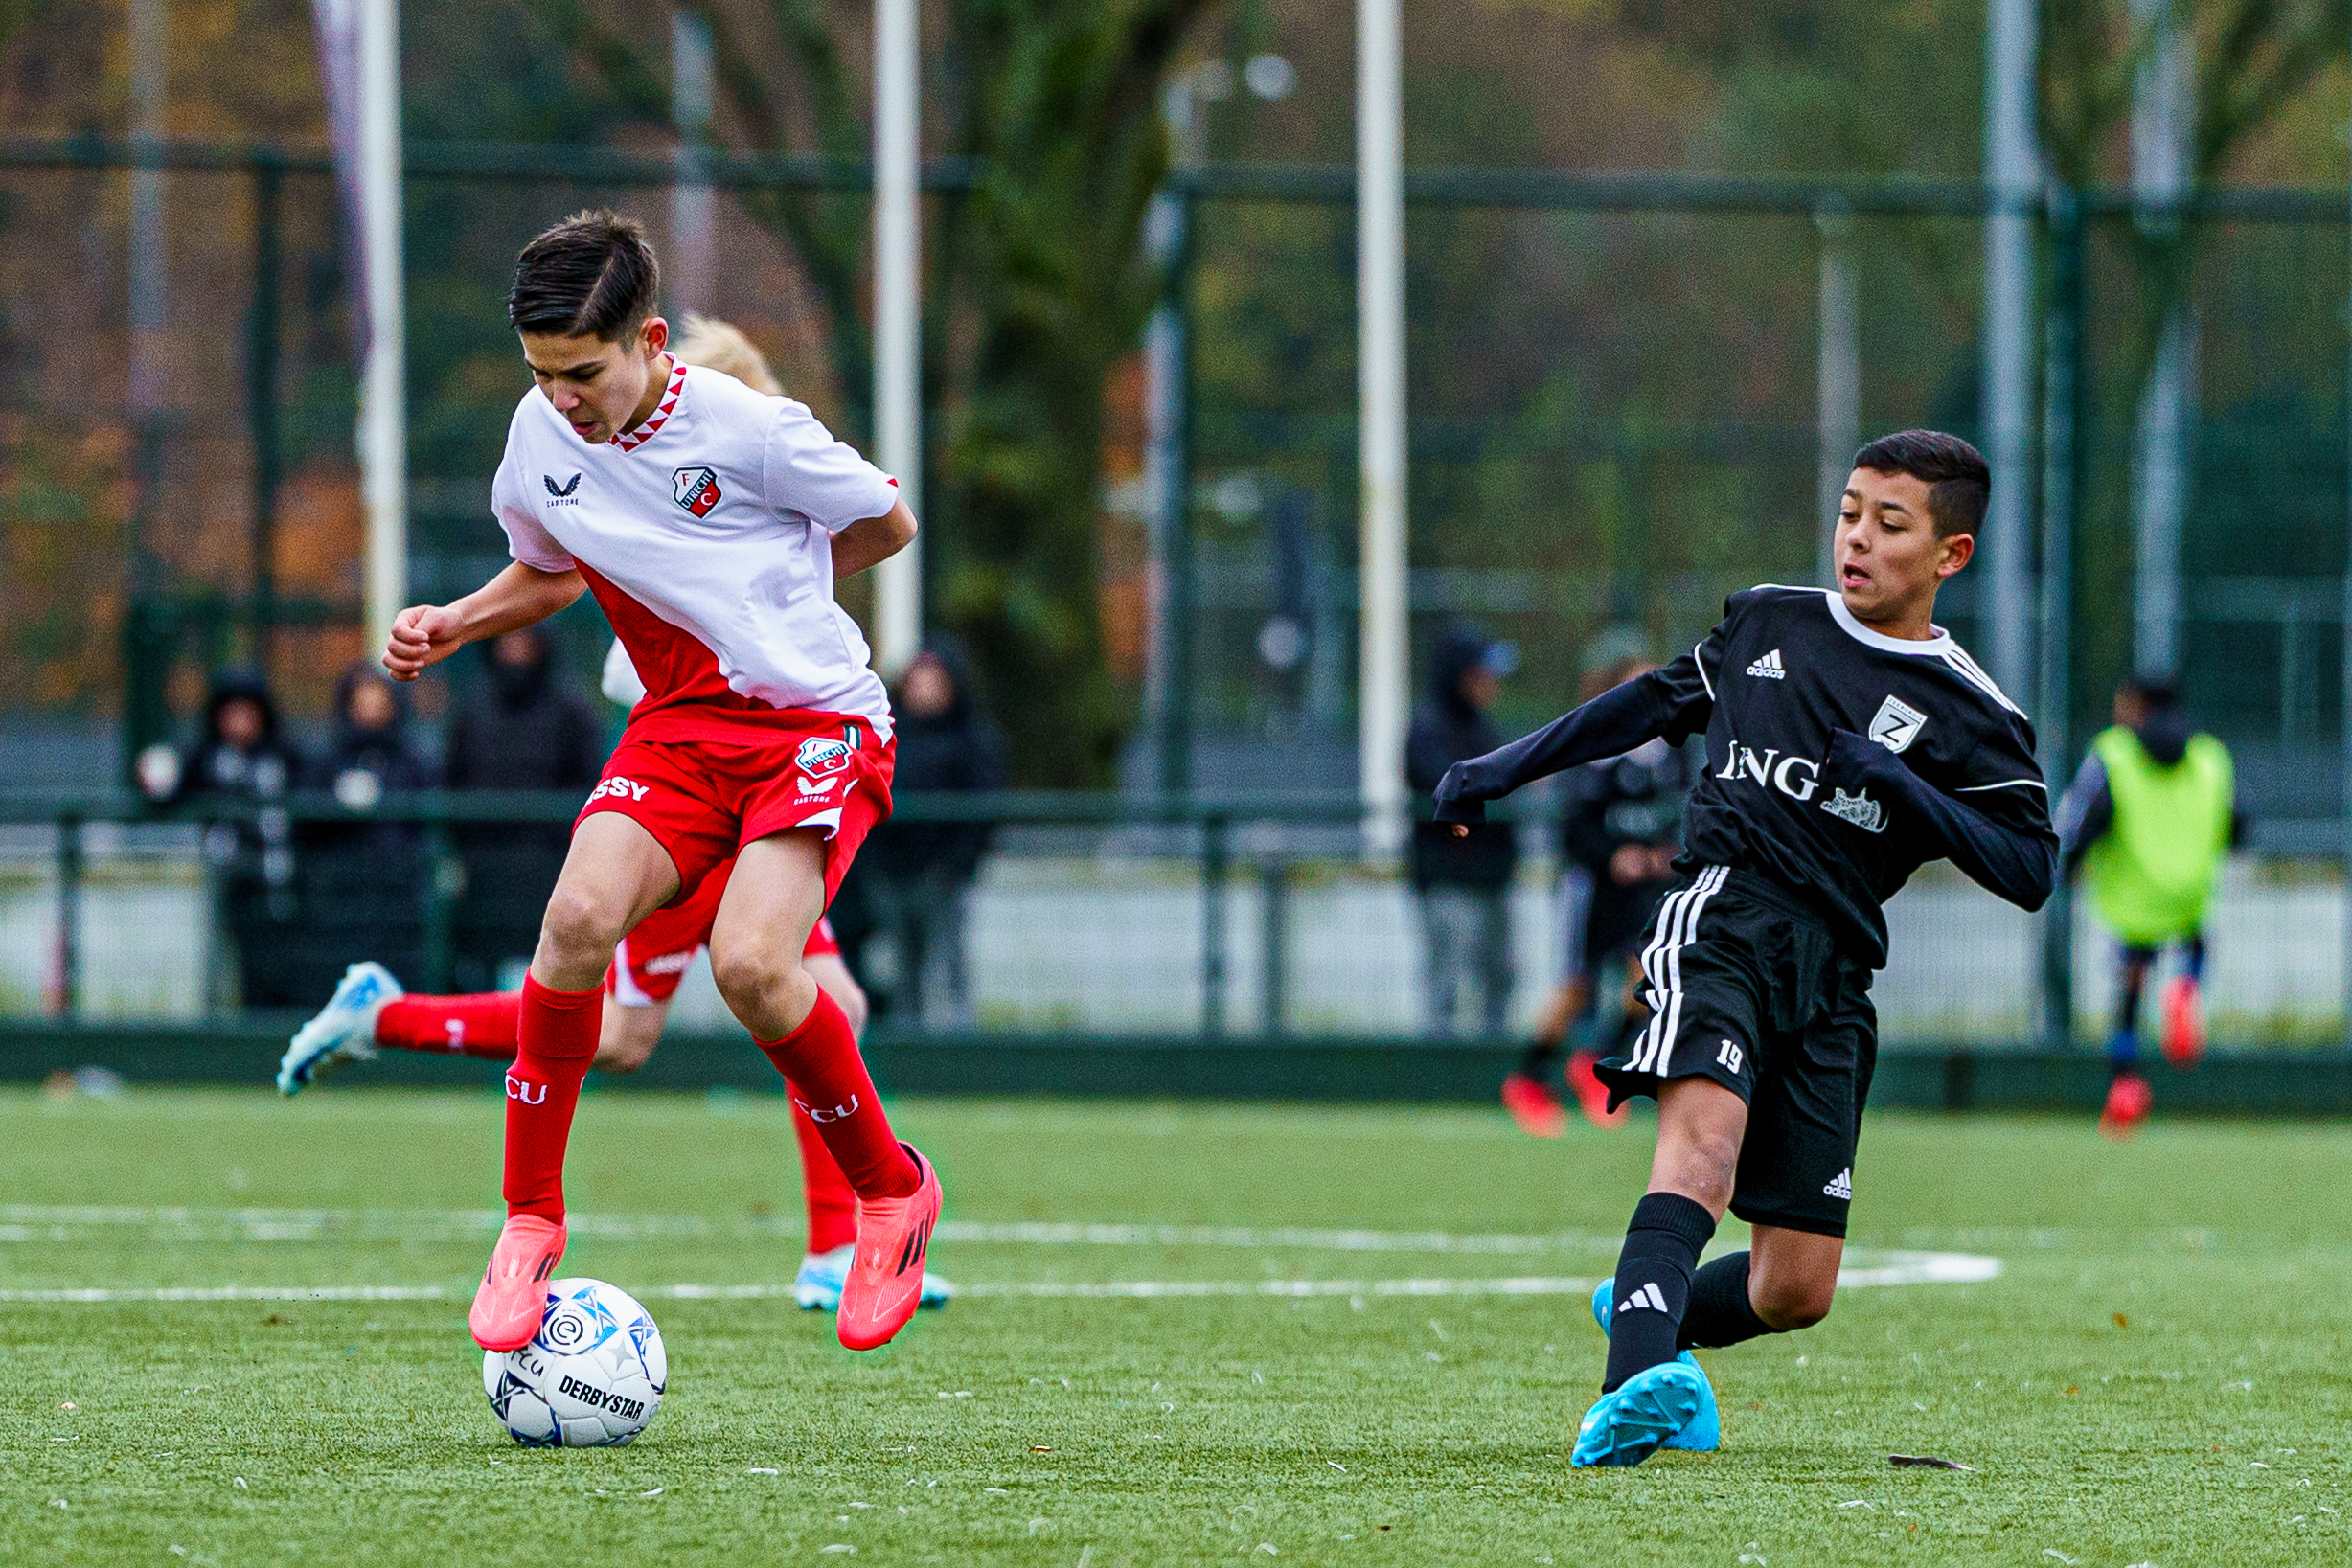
x,y
1841,1187
1769,667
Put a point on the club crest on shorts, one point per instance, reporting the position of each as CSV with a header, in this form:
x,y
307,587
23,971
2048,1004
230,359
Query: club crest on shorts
x,y
1897,725
696,489
821,758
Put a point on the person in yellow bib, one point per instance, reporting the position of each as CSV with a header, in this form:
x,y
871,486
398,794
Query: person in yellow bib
x,y
2149,817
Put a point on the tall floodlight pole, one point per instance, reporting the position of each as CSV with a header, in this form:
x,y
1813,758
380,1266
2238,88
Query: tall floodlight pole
x,y
2343,949
2163,118
2012,167
898,343
383,393
148,127
694,206
1379,326
1838,387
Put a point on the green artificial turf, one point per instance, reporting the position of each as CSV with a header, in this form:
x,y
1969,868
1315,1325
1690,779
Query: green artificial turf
x,y
2158,1376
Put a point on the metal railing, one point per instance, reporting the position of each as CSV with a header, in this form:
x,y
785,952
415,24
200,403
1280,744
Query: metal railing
x,y
1093,916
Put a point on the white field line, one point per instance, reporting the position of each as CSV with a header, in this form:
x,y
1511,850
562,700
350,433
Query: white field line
x,y
1867,1270
44,1223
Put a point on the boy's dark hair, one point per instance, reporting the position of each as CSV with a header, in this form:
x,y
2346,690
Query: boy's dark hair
x,y
592,275
1959,479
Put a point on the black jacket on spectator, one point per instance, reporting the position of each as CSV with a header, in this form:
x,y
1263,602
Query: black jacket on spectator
x,y
364,882
960,751
1446,731
519,728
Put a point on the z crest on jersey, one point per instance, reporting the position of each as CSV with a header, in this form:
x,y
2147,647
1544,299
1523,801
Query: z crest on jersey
x,y
1897,725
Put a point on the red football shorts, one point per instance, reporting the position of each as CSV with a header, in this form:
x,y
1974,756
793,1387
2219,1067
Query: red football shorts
x,y
703,799
652,959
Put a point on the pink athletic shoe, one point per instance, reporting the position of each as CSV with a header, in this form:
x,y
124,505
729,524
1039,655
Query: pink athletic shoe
x,y
507,1308
2184,1022
885,1281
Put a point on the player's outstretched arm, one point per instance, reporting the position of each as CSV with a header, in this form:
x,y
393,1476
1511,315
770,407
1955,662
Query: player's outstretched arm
x,y
1609,725
519,596
872,542
2016,861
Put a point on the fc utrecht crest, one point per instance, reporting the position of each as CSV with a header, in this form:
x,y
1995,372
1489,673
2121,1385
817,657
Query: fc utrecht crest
x,y
1897,725
696,489
821,758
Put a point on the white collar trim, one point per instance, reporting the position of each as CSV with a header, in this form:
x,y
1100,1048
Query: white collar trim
x,y
1940,643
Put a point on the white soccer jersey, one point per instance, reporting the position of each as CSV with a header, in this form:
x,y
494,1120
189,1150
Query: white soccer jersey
x,y
706,534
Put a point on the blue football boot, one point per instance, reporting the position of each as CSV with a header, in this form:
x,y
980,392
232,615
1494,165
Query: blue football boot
x,y
817,1288
1633,1422
1705,1432
342,1032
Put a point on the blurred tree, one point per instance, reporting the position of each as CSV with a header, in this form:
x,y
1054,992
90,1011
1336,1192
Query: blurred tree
x,y
1039,284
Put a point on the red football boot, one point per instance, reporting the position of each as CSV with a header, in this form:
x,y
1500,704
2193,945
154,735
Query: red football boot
x,y
2128,1099
512,1297
884,1285
1533,1109
1591,1094
2185,1021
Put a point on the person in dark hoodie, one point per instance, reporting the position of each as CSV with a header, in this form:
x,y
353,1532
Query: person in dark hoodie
x,y
364,882
242,758
1463,885
921,873
519,729
2151,814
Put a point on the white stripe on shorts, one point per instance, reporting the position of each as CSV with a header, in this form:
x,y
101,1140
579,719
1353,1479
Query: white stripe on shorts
x,y
1662,962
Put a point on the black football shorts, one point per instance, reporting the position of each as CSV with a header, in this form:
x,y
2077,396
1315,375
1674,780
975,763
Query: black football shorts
x,y
1746,987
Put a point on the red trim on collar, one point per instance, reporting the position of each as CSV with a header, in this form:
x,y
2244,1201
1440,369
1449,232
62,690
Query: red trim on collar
x,y
660,415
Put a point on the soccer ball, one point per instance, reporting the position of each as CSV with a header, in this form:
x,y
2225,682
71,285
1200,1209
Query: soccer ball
x,y
592,1376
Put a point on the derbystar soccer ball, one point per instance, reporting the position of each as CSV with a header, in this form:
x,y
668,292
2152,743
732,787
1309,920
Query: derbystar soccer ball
x,y
592,1376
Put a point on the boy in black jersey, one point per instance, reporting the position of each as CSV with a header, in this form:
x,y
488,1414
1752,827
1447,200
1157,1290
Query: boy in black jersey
x,y
1849,742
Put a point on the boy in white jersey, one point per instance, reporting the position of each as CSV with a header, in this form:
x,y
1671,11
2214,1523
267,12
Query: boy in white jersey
x,y
709,521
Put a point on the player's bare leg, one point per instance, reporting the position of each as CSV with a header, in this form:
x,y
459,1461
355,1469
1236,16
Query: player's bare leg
x,y
771,905
615,874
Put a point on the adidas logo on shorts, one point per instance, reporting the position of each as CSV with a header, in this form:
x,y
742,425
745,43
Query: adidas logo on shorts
x,y
1842,1187
1769,667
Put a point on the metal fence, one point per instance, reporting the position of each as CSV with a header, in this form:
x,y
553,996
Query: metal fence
x,y
1093,916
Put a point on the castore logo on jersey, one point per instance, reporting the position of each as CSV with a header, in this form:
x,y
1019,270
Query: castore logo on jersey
x,y
563,495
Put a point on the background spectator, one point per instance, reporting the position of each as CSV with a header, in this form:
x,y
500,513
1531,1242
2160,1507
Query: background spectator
x,y
918,876
1462,883
1620,828
241,757
517,729
364,883
2152,813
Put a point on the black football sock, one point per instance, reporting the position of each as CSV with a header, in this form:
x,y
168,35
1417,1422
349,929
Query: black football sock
x,y
1720,1312
1654,1283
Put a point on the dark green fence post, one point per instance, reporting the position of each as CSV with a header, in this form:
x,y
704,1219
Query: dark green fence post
x,y
1274,942
261,395
1214,847
444,878
66,1003
2064,406
1182,597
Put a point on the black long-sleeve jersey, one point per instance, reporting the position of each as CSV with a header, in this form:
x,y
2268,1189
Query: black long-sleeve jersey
x,y
1791,692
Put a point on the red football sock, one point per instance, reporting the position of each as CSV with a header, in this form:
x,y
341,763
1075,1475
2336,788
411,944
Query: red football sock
x,y
486,1024
559,1030
832,1207
820,1061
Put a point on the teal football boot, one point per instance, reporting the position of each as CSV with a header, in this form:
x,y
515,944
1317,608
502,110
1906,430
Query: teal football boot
x,y
1705,1432
1633,1422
